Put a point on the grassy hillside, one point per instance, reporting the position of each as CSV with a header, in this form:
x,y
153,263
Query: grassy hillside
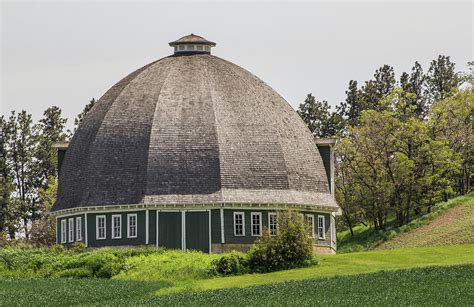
x,y
455,226
449,222
419,286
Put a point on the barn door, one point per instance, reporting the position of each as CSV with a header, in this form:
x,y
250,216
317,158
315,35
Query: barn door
x,y
197,230
170,230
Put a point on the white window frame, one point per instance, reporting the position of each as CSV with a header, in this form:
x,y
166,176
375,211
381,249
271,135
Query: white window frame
x,y
243,224
321,226
310,217
119,228
78,228
71,230
129,216
97,232
270,214
252,224
63,231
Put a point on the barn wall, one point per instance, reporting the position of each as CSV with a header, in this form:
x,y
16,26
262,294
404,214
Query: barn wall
x,y
229,237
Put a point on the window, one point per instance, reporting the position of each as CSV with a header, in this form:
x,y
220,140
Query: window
x,y
132,226
190,47
181,47
199,47
256,219
71,230
100,227
63,231
78,228
272,223
239,224
309,218
321,234
208,48
116,226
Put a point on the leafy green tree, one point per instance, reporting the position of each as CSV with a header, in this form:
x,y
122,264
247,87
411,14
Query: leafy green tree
x,y
452,119
391,164
320,120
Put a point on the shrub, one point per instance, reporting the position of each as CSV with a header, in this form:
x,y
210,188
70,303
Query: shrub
x,y
290,247
43,231
78,248
229,264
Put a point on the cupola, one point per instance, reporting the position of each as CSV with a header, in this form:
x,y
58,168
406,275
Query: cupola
x,y
192,44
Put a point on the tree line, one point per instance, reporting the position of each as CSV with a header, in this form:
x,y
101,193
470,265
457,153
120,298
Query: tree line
x,y
403,145
28,171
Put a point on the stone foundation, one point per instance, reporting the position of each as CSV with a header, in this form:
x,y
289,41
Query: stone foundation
x,y
222,248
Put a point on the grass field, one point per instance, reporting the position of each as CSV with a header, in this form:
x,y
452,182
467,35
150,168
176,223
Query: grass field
x,y
456,228
431,286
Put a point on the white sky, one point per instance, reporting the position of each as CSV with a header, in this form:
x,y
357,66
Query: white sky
x,y
63,54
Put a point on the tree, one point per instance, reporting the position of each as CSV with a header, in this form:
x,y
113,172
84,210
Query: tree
x,y
442,78
80,117
316,114
452,119
20,149
49,130
353,106
374,90
415,83
43,230
392,164
6,184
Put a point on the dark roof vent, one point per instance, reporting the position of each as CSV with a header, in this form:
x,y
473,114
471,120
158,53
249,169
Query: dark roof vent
x,y
192,44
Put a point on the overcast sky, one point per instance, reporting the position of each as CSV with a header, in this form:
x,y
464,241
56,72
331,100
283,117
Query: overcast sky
x,y
66,53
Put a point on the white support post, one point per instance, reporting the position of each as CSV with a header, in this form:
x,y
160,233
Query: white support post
x,y
85,230
157,212
222,226
147,229
183,230
331,148
210,243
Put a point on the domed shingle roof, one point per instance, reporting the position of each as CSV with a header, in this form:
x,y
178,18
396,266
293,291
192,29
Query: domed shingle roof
x,y
192,130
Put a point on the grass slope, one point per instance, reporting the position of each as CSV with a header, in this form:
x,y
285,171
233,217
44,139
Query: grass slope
x,y
432,286
351,264
455,226
459,227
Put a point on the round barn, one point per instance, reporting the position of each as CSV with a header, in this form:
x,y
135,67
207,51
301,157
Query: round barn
x,y
192,152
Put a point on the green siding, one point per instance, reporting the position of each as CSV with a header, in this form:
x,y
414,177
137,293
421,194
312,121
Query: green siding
x,y
197,230
325,152
216,226
169,233
152,227
108,241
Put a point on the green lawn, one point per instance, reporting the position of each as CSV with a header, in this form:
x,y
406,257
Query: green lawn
x,y
350,264
433,286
